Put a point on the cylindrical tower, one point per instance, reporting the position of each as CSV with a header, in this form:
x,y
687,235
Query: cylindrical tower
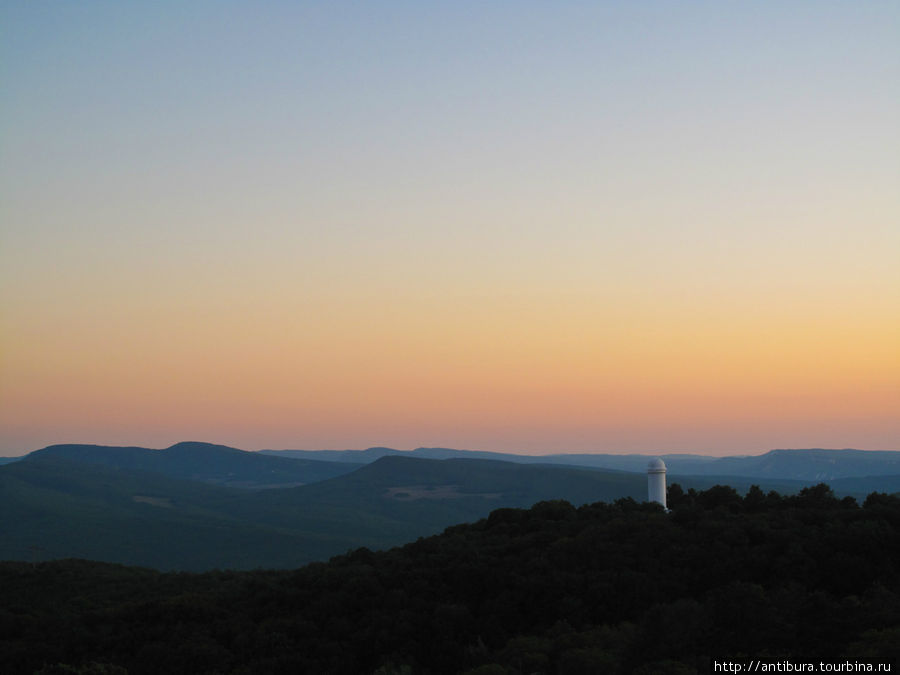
x,y
656,482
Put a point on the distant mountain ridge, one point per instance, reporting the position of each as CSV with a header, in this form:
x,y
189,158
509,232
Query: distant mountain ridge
x,y
198,461
631,462
206,462
814,464
230,466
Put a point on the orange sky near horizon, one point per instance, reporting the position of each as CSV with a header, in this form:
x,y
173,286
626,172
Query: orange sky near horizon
x,y
546,374
594,229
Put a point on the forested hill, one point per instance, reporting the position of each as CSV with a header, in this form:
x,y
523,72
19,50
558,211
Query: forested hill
x,y
205,462
604,588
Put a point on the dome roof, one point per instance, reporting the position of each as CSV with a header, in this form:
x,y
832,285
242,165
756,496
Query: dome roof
x,y
656,465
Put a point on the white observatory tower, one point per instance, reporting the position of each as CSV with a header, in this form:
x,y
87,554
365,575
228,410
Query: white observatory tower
x,y
656,482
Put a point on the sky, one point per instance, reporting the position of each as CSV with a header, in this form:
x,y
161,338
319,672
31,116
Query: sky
x,y
514,226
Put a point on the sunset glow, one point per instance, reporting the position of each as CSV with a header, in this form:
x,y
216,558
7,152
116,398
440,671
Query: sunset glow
x,y
489,227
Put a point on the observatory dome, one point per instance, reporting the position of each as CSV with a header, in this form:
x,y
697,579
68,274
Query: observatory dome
x,y
656,466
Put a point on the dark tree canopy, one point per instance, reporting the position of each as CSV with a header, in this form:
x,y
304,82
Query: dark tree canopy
x,y
613,588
